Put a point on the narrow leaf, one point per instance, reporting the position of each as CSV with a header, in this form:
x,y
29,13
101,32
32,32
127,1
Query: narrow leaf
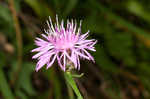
x,y
4,87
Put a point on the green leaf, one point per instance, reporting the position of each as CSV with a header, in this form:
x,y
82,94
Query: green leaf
x,y
143,52
40,8
122,23
120,47
91,23
6,23
70,6
4,86
3,60
138,9
77,75
103,60
17,4
53,77
5,13
25,78
21,95
144,69
72,83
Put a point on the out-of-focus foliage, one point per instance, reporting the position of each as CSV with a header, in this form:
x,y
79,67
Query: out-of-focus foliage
x,y
122,60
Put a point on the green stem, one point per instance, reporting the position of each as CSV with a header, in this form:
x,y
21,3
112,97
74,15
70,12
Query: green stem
x,y
71,82
70,92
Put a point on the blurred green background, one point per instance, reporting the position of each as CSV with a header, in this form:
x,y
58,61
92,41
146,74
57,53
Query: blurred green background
x,y
122,67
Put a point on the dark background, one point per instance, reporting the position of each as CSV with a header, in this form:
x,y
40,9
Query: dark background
x,y
122,67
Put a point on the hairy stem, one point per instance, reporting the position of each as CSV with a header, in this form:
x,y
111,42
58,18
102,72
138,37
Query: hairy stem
x,y
71,82
70,92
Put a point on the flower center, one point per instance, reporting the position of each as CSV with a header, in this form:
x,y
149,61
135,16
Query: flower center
x,y
62,42
64,45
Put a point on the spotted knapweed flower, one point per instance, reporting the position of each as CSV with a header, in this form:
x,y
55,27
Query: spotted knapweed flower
x,y
64,44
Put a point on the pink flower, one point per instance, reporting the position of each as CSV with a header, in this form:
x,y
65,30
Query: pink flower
x,y
63,44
